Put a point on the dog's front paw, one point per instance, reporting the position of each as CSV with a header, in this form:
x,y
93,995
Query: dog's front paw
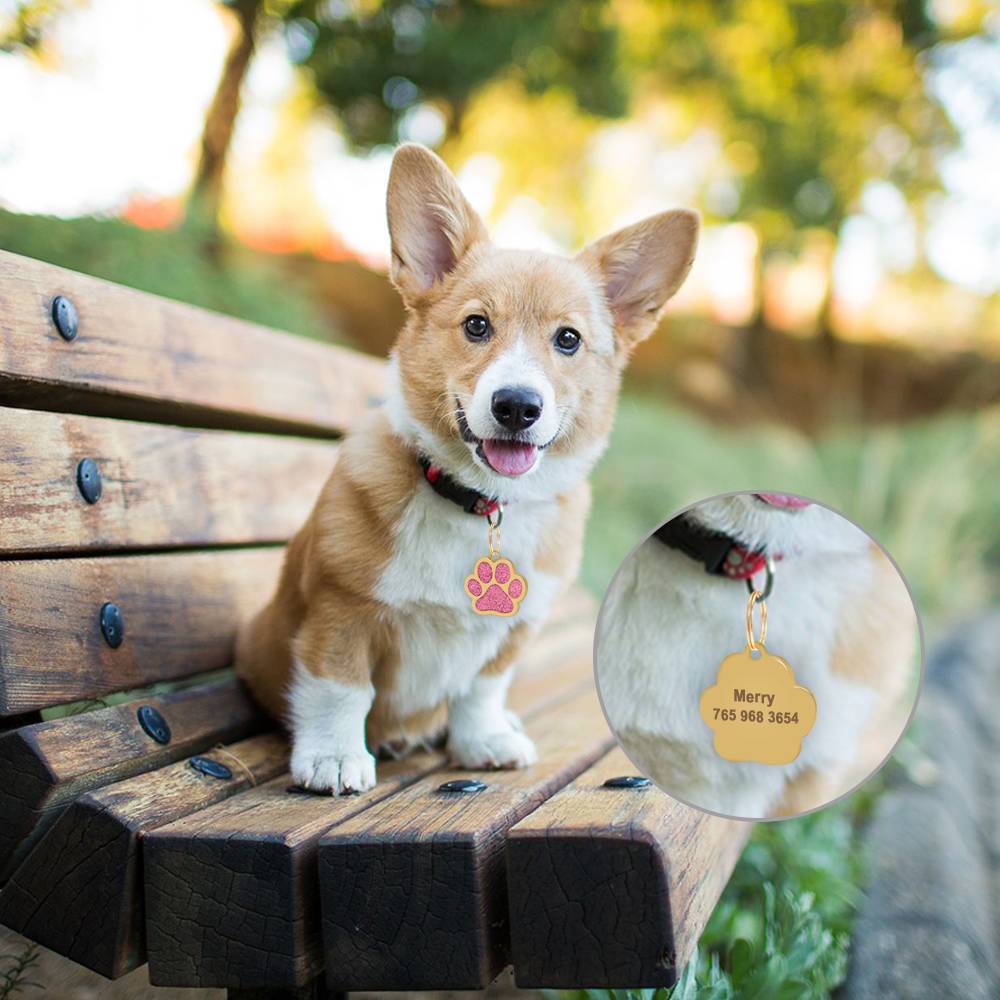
x,y
507,748
338,773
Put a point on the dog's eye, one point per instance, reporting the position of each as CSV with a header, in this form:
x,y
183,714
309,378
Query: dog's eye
x,y
567,340
476,327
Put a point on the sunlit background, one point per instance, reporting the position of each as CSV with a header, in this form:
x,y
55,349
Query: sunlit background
x,y
844,158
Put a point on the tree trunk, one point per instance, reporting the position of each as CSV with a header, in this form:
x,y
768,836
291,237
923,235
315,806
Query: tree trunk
x,y
757,335
220,120
828,340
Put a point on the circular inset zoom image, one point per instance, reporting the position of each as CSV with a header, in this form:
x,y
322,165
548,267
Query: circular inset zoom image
x,y
758,656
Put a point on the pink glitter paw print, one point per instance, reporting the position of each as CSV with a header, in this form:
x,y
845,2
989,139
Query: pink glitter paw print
x,y
495,587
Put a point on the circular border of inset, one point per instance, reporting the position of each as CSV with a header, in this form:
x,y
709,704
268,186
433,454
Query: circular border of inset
x,y
920,656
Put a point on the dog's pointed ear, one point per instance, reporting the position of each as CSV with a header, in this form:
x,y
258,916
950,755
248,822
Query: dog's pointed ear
x,y
431,224
641,266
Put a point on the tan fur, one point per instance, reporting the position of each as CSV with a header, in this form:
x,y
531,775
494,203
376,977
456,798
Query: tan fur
x,y
864,643
864,651
323,600
807,790
324,612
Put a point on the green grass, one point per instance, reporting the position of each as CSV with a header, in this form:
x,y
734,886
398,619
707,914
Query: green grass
x,y
15,971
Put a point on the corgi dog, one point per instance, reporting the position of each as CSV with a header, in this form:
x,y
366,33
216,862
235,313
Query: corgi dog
x,y
839,614
502,389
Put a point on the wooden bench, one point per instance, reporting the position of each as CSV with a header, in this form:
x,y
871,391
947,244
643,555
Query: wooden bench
x,y
153,459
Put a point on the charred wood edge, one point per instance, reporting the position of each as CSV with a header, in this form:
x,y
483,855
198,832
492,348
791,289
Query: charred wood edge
x,y
34,791
472,906
613,904
79,891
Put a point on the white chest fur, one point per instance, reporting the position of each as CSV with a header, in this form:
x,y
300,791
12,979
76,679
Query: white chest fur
x,y
664,630
443,643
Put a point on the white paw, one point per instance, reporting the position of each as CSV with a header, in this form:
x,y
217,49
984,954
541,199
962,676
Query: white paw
x,y
508,748
339,773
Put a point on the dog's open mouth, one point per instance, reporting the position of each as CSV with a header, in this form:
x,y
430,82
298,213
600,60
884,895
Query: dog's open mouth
x,y
786,501
506,456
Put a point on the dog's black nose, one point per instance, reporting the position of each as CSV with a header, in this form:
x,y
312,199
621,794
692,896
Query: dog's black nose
x,y
516,407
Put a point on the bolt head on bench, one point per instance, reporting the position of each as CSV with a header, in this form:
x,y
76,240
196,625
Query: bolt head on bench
x,y
88,480
112,624
65,318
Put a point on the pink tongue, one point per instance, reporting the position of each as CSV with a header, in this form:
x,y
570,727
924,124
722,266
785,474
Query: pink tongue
x,y
509,458
784,500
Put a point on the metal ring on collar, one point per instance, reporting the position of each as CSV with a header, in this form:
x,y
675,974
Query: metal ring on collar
x,y
768,580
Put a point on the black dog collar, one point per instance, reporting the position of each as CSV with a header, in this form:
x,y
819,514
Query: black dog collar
x,y
471,501
719,553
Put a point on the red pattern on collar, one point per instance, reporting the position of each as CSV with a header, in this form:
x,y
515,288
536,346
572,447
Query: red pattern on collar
x,y
744,564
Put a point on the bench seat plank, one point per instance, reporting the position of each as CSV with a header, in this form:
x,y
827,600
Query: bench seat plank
x,y
45,765
413,892
141,356
230,891
612,887
162,487
79,891
179,615
254,921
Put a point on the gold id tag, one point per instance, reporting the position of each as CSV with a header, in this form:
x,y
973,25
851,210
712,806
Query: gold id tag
x,y
755,709
495,586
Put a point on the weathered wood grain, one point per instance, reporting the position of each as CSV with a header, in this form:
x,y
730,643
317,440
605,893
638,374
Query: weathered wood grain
x,y
140,356
79,891
230,891
413,891
45,765
180,614
610,887
162,487
252,922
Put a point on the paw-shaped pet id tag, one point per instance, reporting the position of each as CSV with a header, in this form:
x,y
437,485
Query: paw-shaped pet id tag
x,y
495,586
755,709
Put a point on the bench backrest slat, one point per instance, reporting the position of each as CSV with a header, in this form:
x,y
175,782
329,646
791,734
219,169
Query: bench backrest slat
x,y
141,356
179,613
160,486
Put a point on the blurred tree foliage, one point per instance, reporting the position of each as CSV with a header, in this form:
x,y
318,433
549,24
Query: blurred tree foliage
x,y
374,61
811,97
